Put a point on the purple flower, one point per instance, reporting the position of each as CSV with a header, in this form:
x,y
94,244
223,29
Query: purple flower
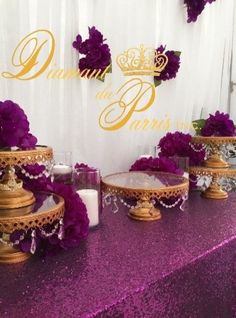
x,y
97,54
172,66
218,124
14,127
195,8
178,144
156,164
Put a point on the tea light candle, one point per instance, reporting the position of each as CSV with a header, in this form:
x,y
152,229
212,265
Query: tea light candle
x,y
144,156
90,199
61,169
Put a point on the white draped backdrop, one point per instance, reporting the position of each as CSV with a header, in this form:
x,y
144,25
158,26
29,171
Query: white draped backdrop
x,y
64,113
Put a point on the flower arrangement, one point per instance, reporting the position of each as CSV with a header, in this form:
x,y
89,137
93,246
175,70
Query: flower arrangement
x,y
218,124
14,127
172,67
156,164
195,8
179,144
97,60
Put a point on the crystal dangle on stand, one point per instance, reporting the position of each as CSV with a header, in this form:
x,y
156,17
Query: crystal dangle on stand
x,y
60,234
33,242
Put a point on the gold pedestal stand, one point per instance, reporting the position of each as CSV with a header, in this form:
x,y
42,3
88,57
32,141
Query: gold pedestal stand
x,y
16,203
146,187
214,159
144,211
214,191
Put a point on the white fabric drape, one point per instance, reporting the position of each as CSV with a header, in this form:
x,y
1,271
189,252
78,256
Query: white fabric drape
x,y
64,113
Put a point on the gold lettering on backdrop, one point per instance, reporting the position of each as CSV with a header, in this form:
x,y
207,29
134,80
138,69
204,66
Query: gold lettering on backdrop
x,y
151,124
106,93
119,112
26,59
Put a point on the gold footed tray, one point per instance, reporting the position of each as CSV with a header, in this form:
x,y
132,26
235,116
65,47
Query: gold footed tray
x,y
214,191
214,159
146,187
48,209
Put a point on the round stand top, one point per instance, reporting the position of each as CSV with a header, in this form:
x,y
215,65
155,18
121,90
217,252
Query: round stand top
x,y
215,140
47,209
25,157
150,184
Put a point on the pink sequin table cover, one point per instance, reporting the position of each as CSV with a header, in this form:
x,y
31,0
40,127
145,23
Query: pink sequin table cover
x,y
181,266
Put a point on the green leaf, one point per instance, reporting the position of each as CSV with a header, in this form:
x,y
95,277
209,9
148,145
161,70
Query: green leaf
x,y
157,82
198,125
177,53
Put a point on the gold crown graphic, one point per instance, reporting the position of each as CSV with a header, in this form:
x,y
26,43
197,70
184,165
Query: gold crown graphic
x,y
142,61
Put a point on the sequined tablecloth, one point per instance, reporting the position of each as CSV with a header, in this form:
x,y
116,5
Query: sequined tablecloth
x,y
181,266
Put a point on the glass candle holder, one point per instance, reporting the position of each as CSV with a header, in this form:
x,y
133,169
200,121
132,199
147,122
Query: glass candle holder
x,y
87,185
62,167
146,151
183,164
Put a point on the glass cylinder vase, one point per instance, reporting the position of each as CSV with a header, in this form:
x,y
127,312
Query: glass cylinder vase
x,y
87,185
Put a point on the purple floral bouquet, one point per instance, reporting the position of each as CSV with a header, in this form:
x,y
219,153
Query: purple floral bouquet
x,y
195,8
172,67
156,164
179,144
14,127
97,60
218,124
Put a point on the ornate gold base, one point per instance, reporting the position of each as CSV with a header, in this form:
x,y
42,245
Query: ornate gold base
x,y
9,255
144,211
16,199
215,192
215,161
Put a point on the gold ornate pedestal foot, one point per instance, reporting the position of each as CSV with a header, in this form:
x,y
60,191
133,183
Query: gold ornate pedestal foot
x,y
9,255
144,211
15,199
215,192
215,161
12,194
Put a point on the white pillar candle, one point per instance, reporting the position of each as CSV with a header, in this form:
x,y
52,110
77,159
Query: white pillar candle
x,y
90,199
61,169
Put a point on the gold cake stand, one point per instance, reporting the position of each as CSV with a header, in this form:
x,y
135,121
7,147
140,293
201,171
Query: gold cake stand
x,y
18,207
12,193
146,187
214,144
214,191
48,209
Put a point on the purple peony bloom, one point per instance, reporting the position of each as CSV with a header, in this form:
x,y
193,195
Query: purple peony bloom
x,y
14,127
172,66
195,8
218,124
97,54
156,164
178,144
